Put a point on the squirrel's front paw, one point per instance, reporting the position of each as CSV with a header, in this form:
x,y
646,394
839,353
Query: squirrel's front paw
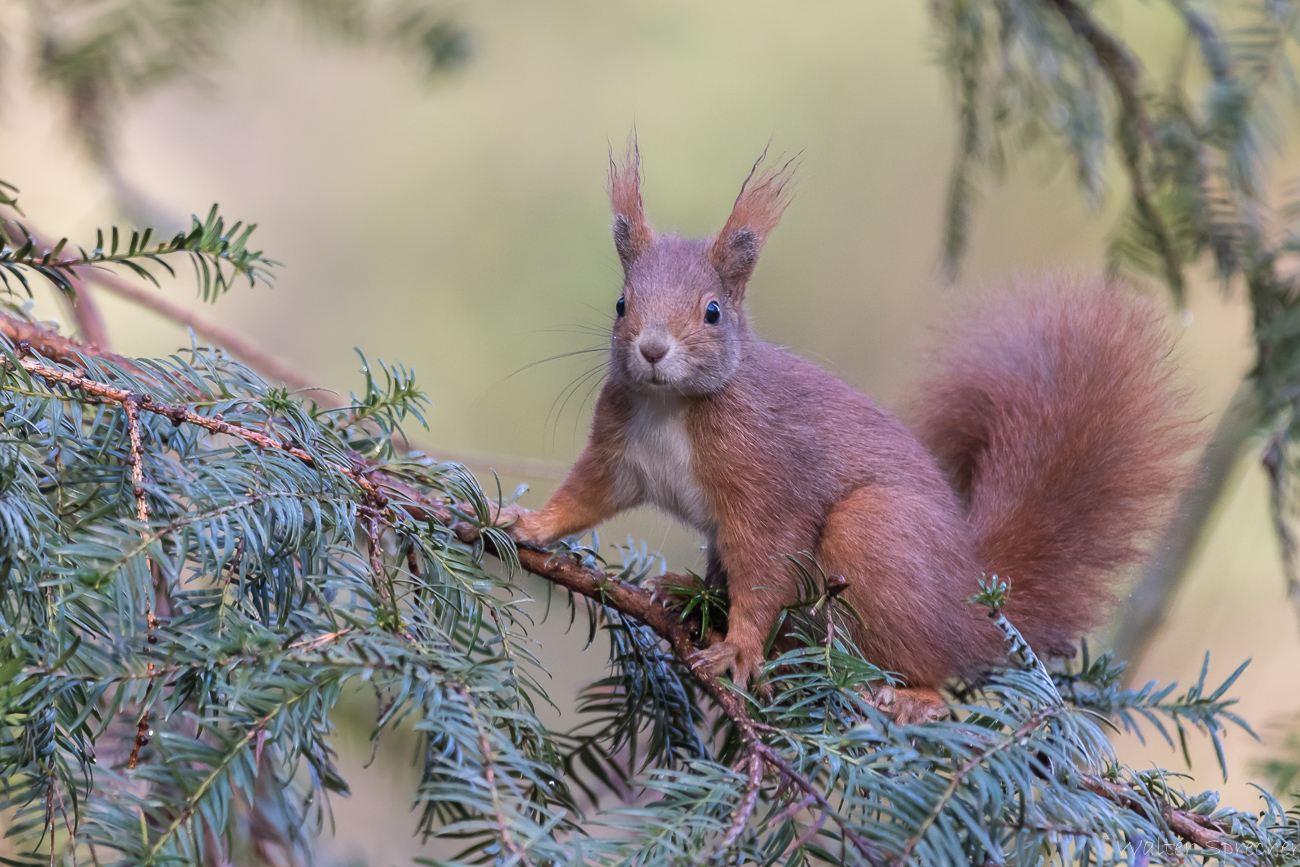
x,y
518,522
724,657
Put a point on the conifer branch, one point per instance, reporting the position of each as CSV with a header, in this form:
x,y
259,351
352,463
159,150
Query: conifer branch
x,y
489,776
1124,73
180,415
1008,740
1199,831
386,497
132,406
745,811
219,253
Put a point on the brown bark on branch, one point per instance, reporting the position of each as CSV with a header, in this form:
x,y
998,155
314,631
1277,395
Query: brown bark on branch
x,y
1192,828
21,333
391,496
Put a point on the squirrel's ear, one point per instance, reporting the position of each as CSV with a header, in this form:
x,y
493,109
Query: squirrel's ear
x,y
763,199
632,232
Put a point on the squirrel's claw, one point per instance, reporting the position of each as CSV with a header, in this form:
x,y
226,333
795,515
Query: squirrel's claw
x,y
658,586
725,657
716,659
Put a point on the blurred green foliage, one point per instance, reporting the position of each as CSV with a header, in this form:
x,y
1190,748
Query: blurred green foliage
x,y
279,593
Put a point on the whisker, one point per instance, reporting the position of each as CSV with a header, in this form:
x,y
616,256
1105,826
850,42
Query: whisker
x,y
598,311
576,328
558,357
562,399
582,406
599,377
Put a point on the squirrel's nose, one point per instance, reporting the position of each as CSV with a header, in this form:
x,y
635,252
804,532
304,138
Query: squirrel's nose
x,y
653,349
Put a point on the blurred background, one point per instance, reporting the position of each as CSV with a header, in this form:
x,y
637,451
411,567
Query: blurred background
x,y
457,223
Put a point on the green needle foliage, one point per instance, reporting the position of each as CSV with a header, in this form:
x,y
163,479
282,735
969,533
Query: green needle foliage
x,y
97,55
1197,133
218,253
197,567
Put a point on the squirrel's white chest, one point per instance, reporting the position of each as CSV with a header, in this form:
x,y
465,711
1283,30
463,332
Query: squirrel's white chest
x,y
656,465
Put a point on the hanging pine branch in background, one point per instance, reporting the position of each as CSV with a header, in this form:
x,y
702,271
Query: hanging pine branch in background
x,y
1197,147
195,567
97,56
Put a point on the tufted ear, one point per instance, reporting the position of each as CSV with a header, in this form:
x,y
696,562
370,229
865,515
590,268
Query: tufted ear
x,y
763,199
632,232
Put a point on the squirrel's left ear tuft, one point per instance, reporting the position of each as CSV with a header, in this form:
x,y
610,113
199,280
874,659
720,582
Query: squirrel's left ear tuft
x,y
735,255
763,199
632,232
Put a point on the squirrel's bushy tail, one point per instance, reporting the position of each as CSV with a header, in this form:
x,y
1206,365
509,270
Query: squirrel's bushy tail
x,y
1055,413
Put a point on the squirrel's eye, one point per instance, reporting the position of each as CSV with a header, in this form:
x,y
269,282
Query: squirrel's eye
x,y
712,313
621,307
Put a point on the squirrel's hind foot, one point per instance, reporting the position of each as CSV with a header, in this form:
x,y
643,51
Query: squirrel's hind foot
x,y
716,659
909,705
724,657
661,588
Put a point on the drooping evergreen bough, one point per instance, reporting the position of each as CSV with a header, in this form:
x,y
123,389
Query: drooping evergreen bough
x,y
196,567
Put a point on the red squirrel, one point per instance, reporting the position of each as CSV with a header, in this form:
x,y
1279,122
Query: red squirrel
x,y
1043,448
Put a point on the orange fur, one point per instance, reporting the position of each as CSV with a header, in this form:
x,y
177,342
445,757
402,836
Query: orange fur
x,y
762,200
1052,426
1055,412
633,234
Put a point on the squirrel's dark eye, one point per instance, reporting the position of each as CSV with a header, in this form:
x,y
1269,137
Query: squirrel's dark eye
x,y
621,307
712,313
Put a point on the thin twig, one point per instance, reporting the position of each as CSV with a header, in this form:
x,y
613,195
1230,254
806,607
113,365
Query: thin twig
x,y
141,731
132,407
67,822
1200,831
795,806
1124,74
374,525
489,776
745,810
389,492
179,414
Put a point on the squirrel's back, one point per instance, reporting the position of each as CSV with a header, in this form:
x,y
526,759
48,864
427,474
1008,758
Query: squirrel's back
x,y
1055,413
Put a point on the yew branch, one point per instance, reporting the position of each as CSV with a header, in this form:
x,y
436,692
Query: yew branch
x,y
389,496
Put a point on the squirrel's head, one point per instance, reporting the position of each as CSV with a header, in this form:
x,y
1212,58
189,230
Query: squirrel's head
x,y
680,324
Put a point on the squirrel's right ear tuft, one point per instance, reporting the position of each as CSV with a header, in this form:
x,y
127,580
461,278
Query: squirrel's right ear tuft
x,y
632,232
763,199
